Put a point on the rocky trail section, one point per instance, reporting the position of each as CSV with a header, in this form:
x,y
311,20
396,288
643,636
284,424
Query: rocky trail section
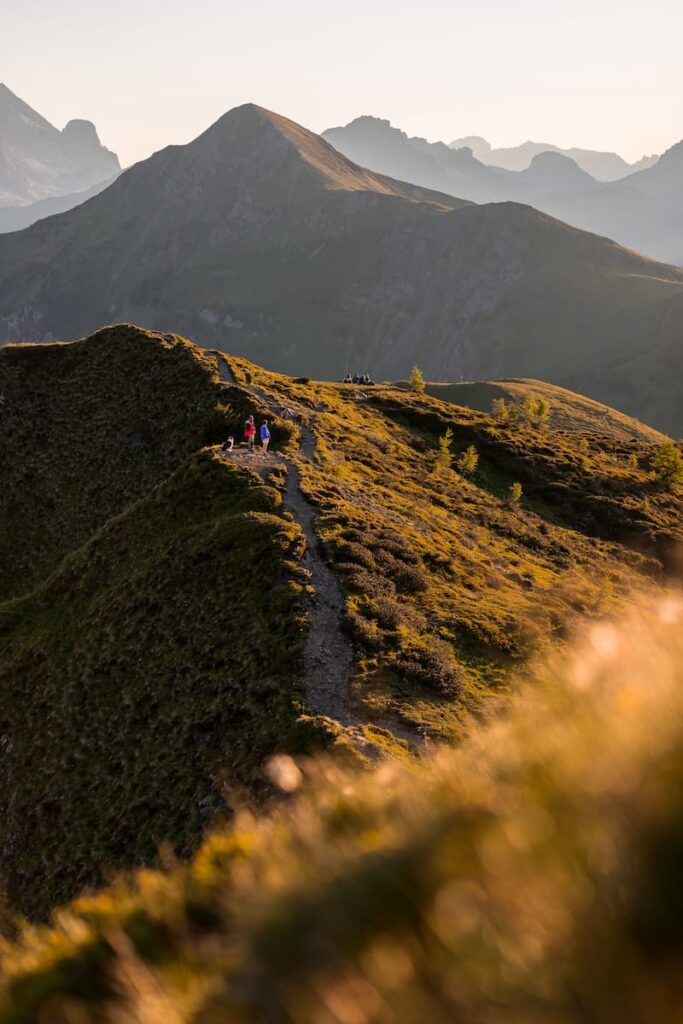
x,y
328,653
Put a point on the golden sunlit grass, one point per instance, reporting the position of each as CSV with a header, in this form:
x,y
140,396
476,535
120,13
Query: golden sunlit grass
x,y
449,584
530,875
151,655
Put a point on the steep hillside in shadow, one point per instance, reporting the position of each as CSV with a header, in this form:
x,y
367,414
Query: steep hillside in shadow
x,y
153,621
145,679
86,429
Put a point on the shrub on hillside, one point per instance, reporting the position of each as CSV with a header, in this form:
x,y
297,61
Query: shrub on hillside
x,y
362,631
352,551
389,613
432,666
365,582
667,464
217,424
536,411
411,579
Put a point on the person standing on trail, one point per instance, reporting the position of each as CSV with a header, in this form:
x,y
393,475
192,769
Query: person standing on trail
x,y
265,436
249,432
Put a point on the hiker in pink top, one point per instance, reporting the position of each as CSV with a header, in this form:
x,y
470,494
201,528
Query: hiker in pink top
x,y
249,433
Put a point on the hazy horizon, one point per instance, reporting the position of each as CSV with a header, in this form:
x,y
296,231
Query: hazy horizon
x,y
148,74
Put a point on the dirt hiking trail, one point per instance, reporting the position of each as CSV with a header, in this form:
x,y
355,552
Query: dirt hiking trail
x,y
328,651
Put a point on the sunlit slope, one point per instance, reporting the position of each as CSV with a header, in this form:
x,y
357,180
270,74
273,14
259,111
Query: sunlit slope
x,y
569,411
449,584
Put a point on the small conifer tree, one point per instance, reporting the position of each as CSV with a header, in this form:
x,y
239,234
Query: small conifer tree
x,y
667,464
444,454
468,461
542,412
417,381
514,495
513,413
500,410
529,409
536,411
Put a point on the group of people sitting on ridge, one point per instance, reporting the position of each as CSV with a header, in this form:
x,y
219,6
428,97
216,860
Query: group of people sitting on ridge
x,y
358,378
249,436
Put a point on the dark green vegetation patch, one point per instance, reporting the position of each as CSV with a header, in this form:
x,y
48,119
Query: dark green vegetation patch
x,y
158,660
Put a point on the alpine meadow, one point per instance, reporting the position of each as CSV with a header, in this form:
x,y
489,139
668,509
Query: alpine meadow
x,y
341,514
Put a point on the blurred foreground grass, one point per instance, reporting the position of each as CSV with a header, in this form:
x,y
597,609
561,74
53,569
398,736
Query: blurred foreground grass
x,y
532,875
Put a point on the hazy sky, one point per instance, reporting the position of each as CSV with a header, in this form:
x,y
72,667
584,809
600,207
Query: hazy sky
x,y
603,74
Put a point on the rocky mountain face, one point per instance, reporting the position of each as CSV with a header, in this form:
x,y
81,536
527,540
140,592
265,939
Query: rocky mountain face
x,y
260,238
642,210
600,165
37,161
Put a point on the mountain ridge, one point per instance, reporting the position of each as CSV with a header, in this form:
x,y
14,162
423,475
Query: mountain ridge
x,y
601,165
642,210
258,238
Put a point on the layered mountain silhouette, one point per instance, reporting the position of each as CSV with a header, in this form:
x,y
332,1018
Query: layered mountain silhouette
x,y
260,238
37,161
643,210
16,218
600,165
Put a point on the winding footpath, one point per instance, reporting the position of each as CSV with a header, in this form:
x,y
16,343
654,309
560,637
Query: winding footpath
x,y
328,653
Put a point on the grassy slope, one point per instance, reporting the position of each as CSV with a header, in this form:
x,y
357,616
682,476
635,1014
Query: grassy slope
x,y
151,627
531,875
86,429
174,621
447,587
89,427
569,410
153,671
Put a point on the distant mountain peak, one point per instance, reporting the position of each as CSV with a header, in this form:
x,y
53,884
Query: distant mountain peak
x,y
81,129
557,168
40,162
13,108
257,138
